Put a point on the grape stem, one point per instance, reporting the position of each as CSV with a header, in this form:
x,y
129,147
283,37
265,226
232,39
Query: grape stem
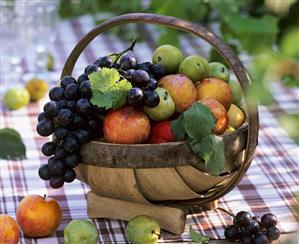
x,y
45,196
224,210
130,48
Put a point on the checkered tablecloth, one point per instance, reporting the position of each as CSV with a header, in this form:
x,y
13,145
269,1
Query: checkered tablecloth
x,y
269,185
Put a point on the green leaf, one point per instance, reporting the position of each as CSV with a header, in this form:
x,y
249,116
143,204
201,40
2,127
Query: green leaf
x,y
211,149
100,99
198,238
248,30
108,90
198,121
11,145
178,128
103,79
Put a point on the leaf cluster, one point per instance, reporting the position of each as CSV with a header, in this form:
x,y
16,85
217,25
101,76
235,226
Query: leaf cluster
x,y
196,125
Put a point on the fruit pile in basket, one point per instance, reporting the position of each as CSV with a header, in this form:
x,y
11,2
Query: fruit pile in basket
x,y
126,101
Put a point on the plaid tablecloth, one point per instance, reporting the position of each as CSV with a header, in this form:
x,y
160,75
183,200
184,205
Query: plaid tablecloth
x,y
269,185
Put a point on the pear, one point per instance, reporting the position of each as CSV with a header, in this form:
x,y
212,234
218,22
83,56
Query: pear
x,y
169,57
195,67
164,109
143,229
236,91
80,232
16,98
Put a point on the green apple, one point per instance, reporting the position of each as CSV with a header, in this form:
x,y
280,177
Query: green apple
x,y
164,109
80,232
218,70
143,229
169,56
236,91
16,98
195,67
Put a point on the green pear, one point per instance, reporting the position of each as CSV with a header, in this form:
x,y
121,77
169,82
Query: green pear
x,y
81,232
236,91
195,67
218,70
143,229
164,109
16,98
169,56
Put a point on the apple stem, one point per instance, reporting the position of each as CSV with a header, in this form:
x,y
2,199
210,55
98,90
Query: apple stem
x,y
224,210
45,196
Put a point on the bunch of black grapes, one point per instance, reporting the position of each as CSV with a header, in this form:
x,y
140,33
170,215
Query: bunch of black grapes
x,y
142,76
249,230
73,121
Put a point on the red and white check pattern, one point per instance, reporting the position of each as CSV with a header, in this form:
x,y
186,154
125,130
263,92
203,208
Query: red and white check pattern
x,y
269,185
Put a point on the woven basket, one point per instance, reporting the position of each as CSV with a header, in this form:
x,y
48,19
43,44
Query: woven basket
x,y
162,180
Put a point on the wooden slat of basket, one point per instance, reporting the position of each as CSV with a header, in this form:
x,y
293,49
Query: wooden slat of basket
x,y
110,182
163,184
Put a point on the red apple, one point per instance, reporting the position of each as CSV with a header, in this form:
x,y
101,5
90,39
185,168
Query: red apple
x,y
161,132
38,216
181,89
126,125
9,230
216,89
219,113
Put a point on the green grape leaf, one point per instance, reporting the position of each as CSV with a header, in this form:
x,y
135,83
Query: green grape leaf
x,y
211,149
100,99
11,145
198,238
108,90
102,80
198,121
178,128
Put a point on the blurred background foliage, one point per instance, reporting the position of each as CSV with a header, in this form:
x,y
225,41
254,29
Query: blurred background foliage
x,y
265,32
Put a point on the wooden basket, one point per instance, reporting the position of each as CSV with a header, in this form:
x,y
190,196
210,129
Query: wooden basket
x,y
161,180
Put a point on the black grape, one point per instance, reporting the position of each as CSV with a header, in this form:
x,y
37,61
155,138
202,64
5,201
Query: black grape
x,y
232,233
72,160
48,148
70,144
140,78
135,96
69,175
72,91
83,106
51,109
90,69
43,172
151,99
128,61
82,78
242,218
67,80
45,128
158,71
65,117
105,61
60,153
56,182
146,66
56,167
268,220
85,89
56,93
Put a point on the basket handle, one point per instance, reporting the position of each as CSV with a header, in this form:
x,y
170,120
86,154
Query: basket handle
x,y
224,50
